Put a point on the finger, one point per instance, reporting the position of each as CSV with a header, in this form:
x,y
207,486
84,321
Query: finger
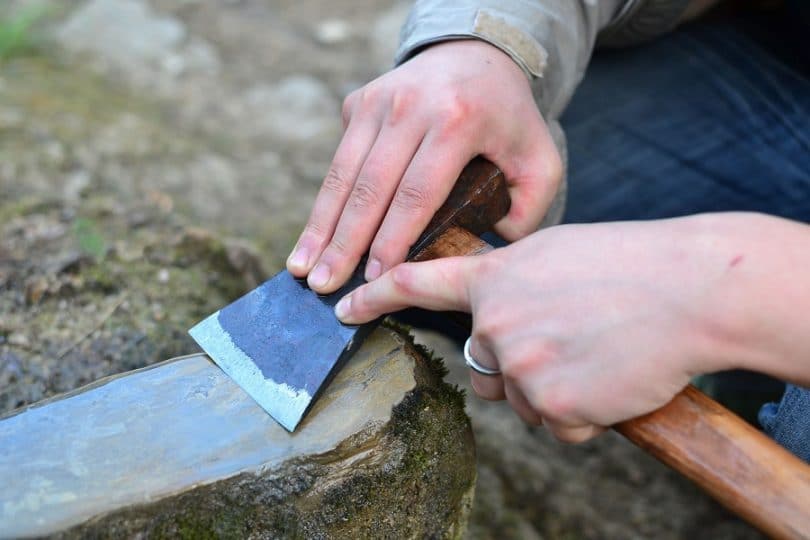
x,y
534,175
349,157
521,405
573,434
375,185
440,285
489,387
424,187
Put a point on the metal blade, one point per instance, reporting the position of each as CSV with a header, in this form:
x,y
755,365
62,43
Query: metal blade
x,y
281,343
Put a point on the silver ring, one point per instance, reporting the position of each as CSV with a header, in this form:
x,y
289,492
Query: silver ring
x,y
473,364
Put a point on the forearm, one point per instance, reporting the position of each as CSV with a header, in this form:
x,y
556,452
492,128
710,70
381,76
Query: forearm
x,y
759,307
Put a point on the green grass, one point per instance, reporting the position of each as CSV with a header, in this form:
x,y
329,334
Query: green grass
x,y
89,238
17,31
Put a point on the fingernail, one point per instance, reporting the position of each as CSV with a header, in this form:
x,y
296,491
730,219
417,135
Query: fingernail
x,y
319,276
299,258
373,270
343,307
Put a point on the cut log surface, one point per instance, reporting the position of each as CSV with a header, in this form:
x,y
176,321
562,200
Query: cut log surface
x,y
178,448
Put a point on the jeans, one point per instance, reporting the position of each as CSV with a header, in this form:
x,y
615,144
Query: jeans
x,y
713,117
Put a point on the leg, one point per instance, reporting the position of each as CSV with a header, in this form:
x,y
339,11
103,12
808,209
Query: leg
x,y
706,119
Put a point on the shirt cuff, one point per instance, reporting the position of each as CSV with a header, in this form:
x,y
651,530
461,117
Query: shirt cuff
x,y
446,23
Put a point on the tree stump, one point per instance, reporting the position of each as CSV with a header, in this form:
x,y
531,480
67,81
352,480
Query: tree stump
x,y
177,449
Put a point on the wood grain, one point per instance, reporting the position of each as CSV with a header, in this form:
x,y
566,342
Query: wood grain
x,y
739,466
478,200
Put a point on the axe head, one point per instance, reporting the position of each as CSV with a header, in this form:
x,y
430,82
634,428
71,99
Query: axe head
x,y
281,343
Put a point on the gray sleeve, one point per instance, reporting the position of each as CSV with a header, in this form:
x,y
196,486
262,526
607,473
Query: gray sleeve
x,y
640,21
551,40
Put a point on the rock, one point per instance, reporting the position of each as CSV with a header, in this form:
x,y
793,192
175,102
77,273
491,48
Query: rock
x,y
179,450
333,31
297,108
76,182
11,118
73,316
20,340
215,184
163,276
129,36
197,56
125,32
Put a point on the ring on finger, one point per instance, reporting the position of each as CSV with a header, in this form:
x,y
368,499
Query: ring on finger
x,y
473,364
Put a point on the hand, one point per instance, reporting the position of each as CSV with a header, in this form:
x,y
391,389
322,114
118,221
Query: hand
x,y
589,324
407,137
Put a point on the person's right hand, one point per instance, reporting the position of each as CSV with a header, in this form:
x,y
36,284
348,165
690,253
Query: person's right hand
x,y
408,135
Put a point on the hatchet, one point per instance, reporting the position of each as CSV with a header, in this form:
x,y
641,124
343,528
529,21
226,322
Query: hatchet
x,y
282,344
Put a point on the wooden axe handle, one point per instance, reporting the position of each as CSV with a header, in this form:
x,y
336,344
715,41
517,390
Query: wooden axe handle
x,y
739,466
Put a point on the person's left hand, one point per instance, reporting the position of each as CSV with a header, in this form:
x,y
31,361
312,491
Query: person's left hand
x,y
589,324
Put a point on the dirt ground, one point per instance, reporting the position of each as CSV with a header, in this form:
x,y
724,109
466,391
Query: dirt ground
x,y
128,120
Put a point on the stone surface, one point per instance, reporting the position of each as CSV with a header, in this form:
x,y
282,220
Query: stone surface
x,y
333,31
178,449
124,31
108,290
131,37
297,108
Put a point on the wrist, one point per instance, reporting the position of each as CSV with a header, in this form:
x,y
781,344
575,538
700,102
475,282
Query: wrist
x,y
473,48
431,24
754,293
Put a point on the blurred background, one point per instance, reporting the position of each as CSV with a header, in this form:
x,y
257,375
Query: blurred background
x,y
139,137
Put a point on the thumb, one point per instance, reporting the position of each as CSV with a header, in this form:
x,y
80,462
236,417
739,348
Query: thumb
x,y
534,176
438,285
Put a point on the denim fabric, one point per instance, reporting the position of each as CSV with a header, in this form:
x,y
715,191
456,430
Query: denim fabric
x,y
789,420
713,117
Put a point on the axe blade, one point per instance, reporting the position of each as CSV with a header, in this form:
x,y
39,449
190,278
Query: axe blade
x,y
281,343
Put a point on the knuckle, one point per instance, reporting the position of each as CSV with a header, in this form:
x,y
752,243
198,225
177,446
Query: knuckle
x,y
386,250
488,267
516,368
365,195
336,180
536,355
359,302
403,279
492,317
315,229
338,246
402,103
369,95
487,331
454,112
556,401
413,198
